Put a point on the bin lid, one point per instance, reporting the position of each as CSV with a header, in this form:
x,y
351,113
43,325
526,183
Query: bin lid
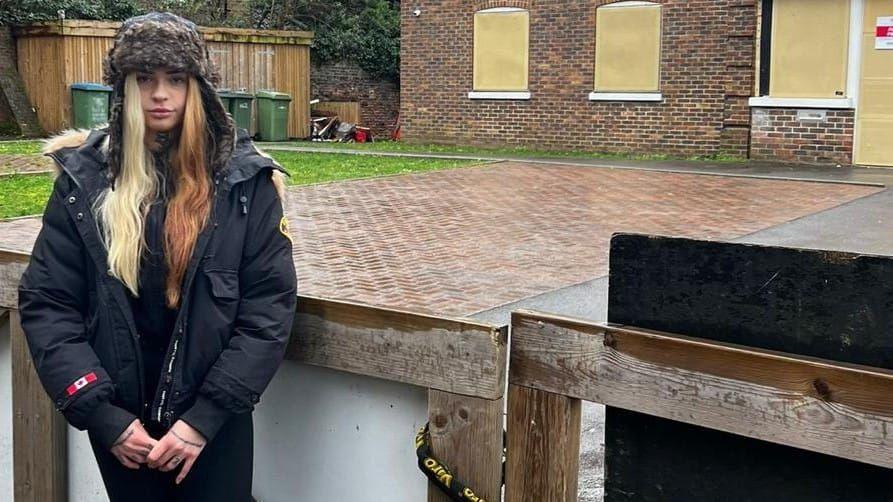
x,y
273,95
90,86
228,93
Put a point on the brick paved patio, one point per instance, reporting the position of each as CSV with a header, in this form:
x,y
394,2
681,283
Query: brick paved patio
x,y
464,240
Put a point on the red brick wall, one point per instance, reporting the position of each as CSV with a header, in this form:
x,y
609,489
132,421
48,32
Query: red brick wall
x,y
706,77
379,99
779,135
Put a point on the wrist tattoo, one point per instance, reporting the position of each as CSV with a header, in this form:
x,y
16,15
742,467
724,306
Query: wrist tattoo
x,y
190,443
126,435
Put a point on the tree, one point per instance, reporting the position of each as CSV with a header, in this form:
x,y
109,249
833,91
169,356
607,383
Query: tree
x,y
363,31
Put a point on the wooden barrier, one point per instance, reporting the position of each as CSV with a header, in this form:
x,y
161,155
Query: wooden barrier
x,y
248,59
839,409
347,111
462,363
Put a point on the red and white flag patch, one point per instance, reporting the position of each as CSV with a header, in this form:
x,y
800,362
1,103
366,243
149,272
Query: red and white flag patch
x,y
81,382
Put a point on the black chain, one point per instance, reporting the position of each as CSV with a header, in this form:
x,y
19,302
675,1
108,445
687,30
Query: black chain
x,y
439,473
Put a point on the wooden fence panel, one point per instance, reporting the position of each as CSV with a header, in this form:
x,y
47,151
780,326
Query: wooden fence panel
x,y
39,432
458,356
248,59
838,409
466,435
817,303
347,111
542,447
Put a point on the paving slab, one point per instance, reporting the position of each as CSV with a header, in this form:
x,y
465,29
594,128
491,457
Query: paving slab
x,y
462,241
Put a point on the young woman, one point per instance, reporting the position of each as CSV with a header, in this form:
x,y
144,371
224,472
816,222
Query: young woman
x,y
161,289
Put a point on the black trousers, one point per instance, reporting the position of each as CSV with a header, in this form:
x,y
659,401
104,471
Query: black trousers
x,y
221,473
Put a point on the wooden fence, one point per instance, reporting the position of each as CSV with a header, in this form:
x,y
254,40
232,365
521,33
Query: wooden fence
x,y
347,111
54,55
556,362
843,410
462,363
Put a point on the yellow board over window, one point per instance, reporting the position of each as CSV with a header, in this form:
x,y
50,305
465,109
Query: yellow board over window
x,y
874,117
627,48
810,42
501,50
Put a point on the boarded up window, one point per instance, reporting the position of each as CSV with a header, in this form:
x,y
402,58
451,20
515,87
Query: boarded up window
x,y
810,40
501,50
627,47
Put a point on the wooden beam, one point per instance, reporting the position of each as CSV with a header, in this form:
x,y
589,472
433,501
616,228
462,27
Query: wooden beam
x,y
108,29
459,356
12,266
543,446
839,409
39,432
466,435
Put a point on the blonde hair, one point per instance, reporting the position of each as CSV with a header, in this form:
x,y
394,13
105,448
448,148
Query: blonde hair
x,y
121,213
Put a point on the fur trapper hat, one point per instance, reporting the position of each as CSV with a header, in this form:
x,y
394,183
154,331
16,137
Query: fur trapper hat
x,y
156,40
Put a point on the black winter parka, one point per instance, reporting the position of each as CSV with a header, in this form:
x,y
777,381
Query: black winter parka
x,y
234,320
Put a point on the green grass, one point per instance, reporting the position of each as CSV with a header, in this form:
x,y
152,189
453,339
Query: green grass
x,y
20,147
307,168
24,194
402,147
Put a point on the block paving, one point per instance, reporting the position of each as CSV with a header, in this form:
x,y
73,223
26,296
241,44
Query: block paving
x,y
460,241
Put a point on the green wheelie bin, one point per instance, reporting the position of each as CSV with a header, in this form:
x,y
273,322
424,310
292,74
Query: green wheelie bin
x,y
238,104
89,104
272,115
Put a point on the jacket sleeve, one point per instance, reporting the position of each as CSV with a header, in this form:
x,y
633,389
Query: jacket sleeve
x,y
267,302
52,304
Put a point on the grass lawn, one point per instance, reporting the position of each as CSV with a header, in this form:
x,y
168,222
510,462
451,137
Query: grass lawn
x,y
22,195
20,147
399,146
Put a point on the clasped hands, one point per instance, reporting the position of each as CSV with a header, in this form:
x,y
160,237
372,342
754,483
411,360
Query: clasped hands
x,y
181,445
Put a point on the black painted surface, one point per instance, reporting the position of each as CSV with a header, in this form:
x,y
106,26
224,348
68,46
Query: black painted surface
x,y
833,305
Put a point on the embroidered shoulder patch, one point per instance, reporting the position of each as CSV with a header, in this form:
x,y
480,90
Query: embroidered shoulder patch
x,y
283,228
80,383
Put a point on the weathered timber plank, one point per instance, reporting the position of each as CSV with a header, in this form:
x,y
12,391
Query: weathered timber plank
x,y
40,444
542,447
74,27
466,435
807,403
12,266
828,304
453,355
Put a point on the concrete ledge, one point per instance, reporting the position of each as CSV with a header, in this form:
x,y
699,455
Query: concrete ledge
x,y
767,102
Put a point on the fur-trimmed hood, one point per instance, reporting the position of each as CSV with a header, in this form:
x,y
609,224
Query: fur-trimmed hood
x,y
245,154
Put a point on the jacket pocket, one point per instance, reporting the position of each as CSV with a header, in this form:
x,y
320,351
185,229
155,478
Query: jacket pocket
x,y
224,282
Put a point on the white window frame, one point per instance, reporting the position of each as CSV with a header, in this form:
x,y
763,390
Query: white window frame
x,y
505,95
654,96
854,67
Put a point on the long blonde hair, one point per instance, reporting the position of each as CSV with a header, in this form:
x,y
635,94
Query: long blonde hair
x,y
122,212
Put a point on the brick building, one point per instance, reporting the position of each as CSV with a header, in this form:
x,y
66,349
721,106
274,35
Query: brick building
x,y
793,80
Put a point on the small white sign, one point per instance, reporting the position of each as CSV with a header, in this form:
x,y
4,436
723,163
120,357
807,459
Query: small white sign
x,y
883,38
812,115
